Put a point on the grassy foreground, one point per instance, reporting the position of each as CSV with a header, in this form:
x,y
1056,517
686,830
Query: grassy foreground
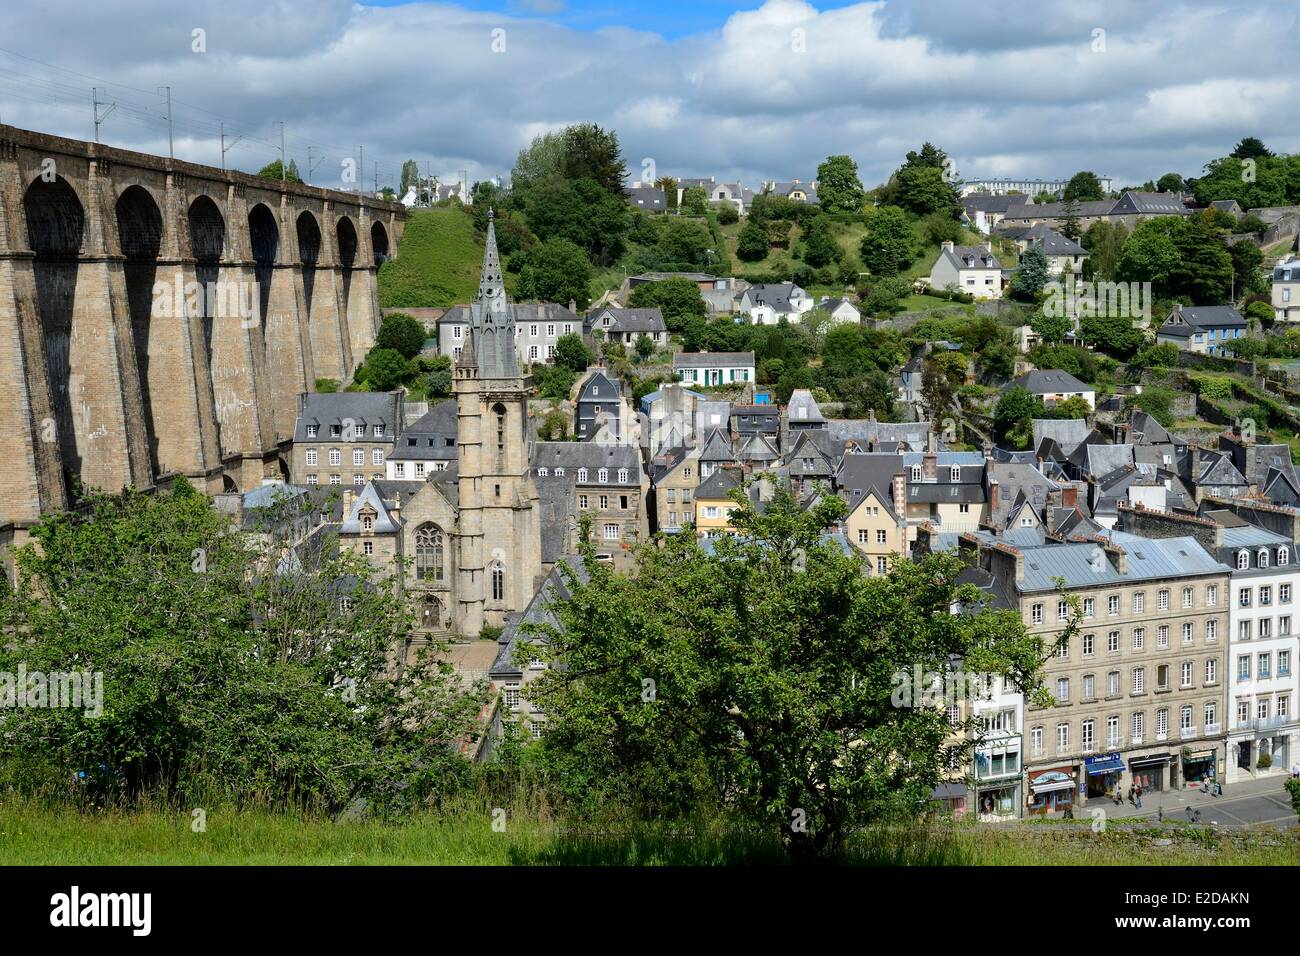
x,y
32,835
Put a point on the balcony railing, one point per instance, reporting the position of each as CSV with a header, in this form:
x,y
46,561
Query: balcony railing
x,y
1135,740
1263,723
1212,729
1187,732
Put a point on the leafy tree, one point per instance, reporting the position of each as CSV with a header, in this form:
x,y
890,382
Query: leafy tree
x,y
997,362
1051,328
684,243
227,672
888,248
1149,254
943,373
1293,789
838,187
645,347
1170,183
1158,402
1032,275
1250,147
1104,242
554,425
542,161
554,381
669,186
819,246
593,153
776,664
941,227
728,214
438,377
272,171
582,212
1070,227
695,201
403,334
327,385
555,271
384,369
410,175
1259,314
1013,416
1076,406
886,295
924,190
1247,258
1083,187
678,299
1202,272
1114,335
572,353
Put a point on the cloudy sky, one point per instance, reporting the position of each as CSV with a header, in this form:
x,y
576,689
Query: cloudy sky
x,y
696,87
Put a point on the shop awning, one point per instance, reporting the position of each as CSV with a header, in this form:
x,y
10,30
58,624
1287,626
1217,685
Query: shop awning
x,y
1110,764
1049,786
948,791
1198,756
1149,759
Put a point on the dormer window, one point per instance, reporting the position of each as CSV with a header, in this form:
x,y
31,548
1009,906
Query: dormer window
x,y
1243,560
582,474
1263,557
1283,557
622,476
559,472
916,472
954,473
367,523
541,472
602,475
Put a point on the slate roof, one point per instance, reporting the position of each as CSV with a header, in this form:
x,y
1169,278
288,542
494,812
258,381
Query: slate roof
x,y
1067,433
1016,481
872,471
365,409
803,408
646,197
369,498
1145,430
1148,559
535,312
970,257
775,294
1201,318
717,448
717,485
1043,381
914,435
574,455
426,439
713,360
538,613
645,321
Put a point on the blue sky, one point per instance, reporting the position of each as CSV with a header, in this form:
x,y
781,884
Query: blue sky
x,y
744,92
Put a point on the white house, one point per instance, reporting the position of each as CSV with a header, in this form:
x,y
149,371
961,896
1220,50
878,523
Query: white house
x,y
713,368
1286,290
840,310
970,269
1054,385
768,304
625,326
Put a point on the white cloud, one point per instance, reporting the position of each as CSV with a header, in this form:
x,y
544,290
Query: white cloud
x,y
1004,88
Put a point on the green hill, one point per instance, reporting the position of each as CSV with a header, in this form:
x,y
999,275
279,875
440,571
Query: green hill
x,y
437,264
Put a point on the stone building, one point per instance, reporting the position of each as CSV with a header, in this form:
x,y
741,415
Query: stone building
x,y
344,438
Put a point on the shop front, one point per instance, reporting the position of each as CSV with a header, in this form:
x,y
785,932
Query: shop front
x,y
949,799
1103,773
998,801
1150,771
1197,765
997,779
1052,792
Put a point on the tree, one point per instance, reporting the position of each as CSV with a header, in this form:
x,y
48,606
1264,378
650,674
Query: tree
x,y
888,247
401,333
593,153
1293,789
1113,334
542,161
1247,258
1013,416
1070,227
272,171
1104,242
925,189
819,246
1051,328
838,187
942,374
572,353
695,201
1202,272
1250,147
781,679
1149,254
582,212
669,186
383,370
886,295
554,381
683,243
220,635
678,299
438,379
751,244
728,214
1170,183
1083,187
1032,275
645,347
1076,406
554,425
410,175
555,271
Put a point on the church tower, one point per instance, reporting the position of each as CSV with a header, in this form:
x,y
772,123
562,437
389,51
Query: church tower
x,y
499,560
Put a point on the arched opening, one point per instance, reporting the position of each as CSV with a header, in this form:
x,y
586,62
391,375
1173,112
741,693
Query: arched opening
x,y
265,237
346,234
207,246
56,225
431,613
430,553
308,254
379,241
228,485
498,583
139,233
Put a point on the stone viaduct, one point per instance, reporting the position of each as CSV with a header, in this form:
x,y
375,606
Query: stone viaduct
x,y
159,318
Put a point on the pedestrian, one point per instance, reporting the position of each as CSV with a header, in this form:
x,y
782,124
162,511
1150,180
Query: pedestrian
x,y
1205,783
1137,796
1130,794
1295,769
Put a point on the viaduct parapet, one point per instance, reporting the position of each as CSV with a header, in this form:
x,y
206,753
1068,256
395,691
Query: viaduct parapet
x,y
159,318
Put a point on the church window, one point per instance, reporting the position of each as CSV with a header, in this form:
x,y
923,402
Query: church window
x,y
498,583
429,553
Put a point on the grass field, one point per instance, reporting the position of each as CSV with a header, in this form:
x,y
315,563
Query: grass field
x,y
29,835
438,263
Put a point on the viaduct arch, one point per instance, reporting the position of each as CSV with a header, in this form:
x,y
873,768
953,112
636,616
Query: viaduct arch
x,y
159,318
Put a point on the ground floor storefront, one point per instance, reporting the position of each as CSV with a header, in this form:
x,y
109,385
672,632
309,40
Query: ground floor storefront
x,y
997,801
1262,753
1052,792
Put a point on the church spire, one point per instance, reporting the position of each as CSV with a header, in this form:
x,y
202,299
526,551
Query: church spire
x,y
492,323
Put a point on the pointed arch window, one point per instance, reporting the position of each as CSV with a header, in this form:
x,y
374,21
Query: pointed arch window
x,y
498,583
430,553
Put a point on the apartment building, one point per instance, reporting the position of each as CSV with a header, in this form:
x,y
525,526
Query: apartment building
x,y
1140,691
344,438
1263,642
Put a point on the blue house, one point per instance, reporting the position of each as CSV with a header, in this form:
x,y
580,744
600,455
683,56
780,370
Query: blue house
x,y
1207,329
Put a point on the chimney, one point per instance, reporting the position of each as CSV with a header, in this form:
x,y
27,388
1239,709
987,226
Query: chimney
x,y
947,245
930,465
573,306
347,501
1117,557
1069,497
899,489
994,495
396,509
